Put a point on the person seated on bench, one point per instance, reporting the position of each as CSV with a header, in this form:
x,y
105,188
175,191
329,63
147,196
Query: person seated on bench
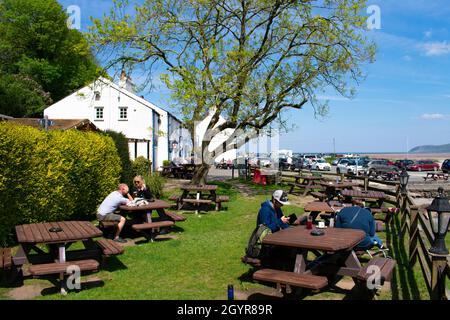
x,y
356,217
111,203
271,214
140,190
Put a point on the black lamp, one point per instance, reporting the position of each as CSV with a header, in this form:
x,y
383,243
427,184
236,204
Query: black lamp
x,y
440,207
404,178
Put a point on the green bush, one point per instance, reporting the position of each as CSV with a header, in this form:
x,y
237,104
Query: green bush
x,y
141,166
166,163
53,176
155,183
126,175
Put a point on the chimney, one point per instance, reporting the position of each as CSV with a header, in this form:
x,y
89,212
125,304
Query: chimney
x,y
125,82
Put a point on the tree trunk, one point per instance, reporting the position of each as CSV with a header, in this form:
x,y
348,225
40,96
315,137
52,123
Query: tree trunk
x,y
200,174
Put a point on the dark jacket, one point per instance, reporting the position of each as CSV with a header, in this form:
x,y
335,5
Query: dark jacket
x,y
270,217
145,193
357,218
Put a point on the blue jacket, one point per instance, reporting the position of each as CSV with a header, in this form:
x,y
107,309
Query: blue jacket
x,y
270,217
363,221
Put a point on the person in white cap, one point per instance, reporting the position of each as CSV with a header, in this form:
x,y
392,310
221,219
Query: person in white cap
x,y
270,213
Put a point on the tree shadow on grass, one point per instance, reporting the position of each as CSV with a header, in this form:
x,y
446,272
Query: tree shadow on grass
x,y
404,275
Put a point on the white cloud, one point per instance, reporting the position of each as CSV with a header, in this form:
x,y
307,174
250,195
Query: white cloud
x,y
428,33
433,116
436,48
334,98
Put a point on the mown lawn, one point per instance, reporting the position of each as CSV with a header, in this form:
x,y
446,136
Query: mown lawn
x,y
205,257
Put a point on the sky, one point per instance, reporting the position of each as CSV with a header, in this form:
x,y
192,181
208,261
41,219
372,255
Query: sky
x,y
403,102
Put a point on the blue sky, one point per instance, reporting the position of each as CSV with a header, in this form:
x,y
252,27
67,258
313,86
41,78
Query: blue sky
x,y
403,102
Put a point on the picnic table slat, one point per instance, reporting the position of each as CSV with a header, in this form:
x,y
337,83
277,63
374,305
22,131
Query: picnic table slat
x,y
53,235
35,233
44,232
335,239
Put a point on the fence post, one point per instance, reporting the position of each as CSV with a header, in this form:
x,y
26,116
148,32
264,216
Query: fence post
x,y
413,231
366,183
438,265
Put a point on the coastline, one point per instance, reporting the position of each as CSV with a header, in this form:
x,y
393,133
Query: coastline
x,y
411,156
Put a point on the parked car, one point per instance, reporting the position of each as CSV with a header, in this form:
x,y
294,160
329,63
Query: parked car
x,y
321,164
264,162
349,166
380,167
423,165
403,163
446,166
334,162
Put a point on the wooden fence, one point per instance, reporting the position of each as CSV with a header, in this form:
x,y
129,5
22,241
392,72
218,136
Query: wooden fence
x,y
414,224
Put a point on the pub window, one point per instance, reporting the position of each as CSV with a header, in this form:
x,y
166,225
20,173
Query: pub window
x,y
99,113
123,113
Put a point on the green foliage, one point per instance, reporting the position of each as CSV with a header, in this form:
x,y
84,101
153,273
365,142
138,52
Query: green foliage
x,y
22,92
166,163
248,61
141,166
155,183
36,43
121,141
52,176
330,159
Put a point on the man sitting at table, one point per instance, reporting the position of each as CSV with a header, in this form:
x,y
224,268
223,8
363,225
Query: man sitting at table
x,y
359,218
270,213
111,203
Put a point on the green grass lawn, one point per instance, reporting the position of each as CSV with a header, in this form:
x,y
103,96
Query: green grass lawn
x,y
205,257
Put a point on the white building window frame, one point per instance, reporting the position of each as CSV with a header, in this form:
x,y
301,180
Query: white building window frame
x,y
99,113
123,113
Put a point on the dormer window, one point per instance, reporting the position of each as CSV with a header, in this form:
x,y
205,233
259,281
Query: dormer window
x,y
97,96
123,113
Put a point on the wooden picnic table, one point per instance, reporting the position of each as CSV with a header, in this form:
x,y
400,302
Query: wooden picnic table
x,y
336,242
307,183
436,176
363,195
326,210
332,188
200,194
146,210
149,228
30,235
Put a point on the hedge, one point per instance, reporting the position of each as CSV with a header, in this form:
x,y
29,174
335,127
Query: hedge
x,y
121,141
53,176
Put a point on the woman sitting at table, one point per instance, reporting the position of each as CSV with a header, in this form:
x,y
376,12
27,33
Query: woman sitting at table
x,y
140,190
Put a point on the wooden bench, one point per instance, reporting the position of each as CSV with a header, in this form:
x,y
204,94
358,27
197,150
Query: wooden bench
x,y
175,217
320,195
61,267
251,261
174,197
5,258
289,279
219,200
109,247
153,227
385,265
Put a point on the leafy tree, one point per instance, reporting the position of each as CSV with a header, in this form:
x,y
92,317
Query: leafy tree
x,y
246,60
23,93
36,43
